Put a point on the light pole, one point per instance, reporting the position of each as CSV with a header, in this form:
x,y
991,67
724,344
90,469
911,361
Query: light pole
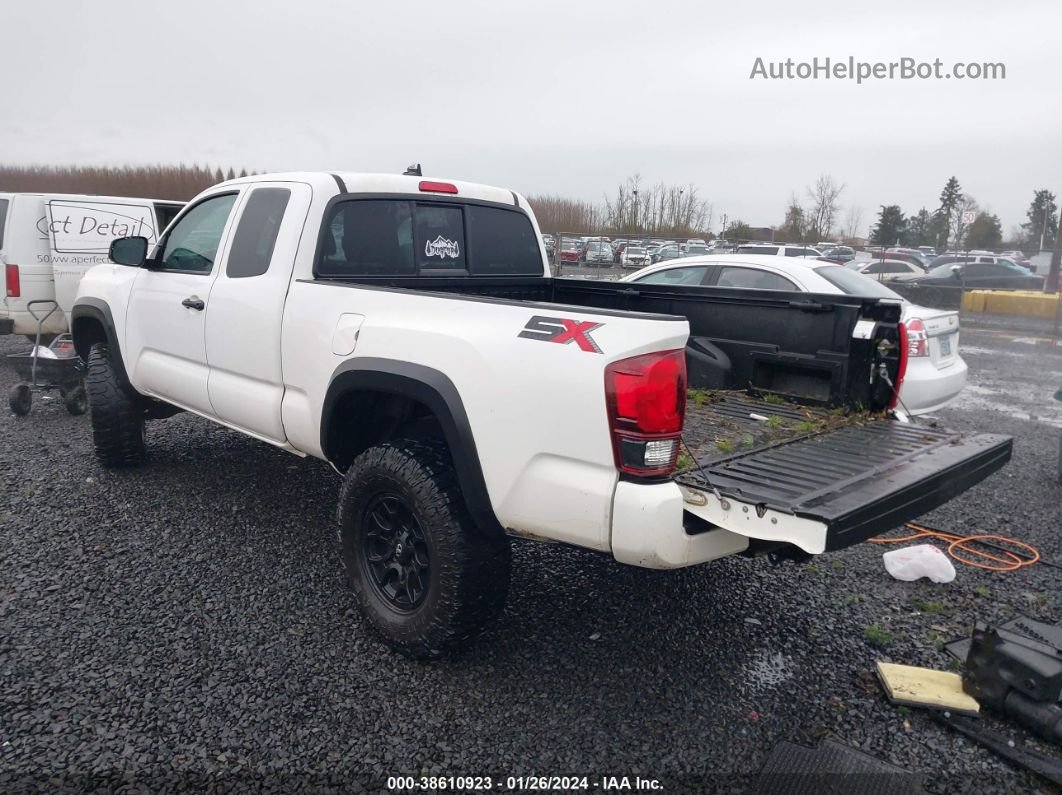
x,y
1043,232
634,226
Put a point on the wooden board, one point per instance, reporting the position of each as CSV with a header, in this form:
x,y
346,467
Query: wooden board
x,y
924,687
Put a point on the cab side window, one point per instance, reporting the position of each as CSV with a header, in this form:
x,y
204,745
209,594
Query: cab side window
x,y
256,234
192,245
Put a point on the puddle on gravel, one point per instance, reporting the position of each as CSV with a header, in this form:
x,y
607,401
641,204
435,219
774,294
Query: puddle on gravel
x,y
767,670
1037,341
975,396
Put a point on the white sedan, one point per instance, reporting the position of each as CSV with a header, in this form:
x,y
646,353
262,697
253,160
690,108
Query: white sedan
x,y
936,373
886,270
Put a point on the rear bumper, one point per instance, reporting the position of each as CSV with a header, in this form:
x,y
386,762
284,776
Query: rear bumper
x,y
24,323
647,530
926,389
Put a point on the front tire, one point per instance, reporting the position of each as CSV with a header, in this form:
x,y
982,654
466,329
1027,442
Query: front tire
x,y
425,577
117,419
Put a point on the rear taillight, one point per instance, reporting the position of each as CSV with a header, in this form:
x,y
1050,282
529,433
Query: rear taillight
x,y
646,401
917,338
901,367
14,286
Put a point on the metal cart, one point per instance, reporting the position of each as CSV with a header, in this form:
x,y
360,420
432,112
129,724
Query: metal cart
x,y
62,370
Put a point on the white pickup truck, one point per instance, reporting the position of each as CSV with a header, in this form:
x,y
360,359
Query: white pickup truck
x,y
406,330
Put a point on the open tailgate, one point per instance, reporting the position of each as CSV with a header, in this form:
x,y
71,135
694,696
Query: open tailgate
x,y
819,480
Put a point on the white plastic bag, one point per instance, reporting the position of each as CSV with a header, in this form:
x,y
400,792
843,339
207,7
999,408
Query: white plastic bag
x,y
44,353
921,560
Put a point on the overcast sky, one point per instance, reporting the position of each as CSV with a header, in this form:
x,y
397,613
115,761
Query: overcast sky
x,y
548,97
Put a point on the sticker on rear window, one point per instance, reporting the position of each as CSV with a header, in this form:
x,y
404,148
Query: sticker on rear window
x,y
442,248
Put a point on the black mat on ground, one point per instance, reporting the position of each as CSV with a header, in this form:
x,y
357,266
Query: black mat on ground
x,y
831,768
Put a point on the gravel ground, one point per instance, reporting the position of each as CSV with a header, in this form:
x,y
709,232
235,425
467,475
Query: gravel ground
x,y
186,625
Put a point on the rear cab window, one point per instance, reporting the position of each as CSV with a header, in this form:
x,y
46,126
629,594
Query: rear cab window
x,y
408,237
3,219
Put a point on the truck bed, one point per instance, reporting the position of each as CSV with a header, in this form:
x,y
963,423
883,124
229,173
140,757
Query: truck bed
x,y
858,473
800,346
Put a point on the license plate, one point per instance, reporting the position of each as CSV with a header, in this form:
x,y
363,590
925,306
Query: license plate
x,y
945,346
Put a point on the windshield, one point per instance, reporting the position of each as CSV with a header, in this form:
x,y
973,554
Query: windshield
x,y
596,247
634,250
852,283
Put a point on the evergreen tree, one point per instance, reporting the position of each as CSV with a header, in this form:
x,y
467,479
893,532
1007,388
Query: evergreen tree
x,y
949,201
891,227
920,230
985,232
1042,208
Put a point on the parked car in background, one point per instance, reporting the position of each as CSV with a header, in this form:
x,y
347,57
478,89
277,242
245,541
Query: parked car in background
x,y
999,275
936,373
915,258
570,250
550,244
597,252
720,245
696,250
779,251
949,257
886,269
909,254
635,256
839,253
618,247
929,251
665,253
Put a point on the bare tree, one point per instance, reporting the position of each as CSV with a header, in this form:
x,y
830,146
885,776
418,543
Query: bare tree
x,y
793,227
853,221
824,206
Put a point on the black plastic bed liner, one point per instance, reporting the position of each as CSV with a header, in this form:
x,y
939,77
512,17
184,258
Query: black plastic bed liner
x,y
859,474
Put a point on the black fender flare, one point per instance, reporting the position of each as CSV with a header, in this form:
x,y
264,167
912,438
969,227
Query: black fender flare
x,y
437,392
98,310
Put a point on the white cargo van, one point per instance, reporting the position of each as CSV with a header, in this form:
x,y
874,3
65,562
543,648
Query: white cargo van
x,y
49,240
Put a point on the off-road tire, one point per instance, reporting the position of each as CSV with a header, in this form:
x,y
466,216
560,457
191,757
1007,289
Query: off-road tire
x,y
468,574
117,418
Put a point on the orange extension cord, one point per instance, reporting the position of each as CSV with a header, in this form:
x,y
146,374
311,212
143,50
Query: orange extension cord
x,y
960,543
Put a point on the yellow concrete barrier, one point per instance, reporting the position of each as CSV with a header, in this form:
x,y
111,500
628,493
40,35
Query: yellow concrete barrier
x,y
973,301
1010,302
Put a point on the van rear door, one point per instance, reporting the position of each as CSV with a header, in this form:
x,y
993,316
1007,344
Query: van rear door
x,y
80,232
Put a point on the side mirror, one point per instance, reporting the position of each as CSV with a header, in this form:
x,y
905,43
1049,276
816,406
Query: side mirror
x,y
956,271
129,251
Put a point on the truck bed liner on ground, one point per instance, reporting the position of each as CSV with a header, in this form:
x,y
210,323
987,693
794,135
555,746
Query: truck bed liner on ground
x,y
860,474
